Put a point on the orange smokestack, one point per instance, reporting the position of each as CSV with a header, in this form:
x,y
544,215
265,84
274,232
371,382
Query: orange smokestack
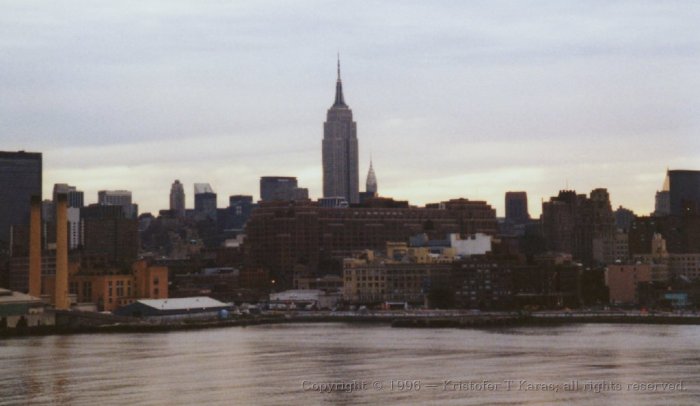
x,y
62,300
35,247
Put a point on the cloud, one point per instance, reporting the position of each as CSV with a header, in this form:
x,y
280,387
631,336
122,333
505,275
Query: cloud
x,y
471,98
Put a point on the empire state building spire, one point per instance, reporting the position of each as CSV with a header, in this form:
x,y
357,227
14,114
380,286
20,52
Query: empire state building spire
x,y
340,167
339,99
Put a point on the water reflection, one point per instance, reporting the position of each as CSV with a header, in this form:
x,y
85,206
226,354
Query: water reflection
x,y
267,365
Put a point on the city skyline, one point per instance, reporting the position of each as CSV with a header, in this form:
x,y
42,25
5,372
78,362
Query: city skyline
x,y
451,100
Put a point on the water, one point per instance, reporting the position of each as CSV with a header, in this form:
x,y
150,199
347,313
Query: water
x,y
290,364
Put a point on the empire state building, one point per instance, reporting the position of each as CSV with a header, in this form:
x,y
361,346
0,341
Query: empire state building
x,y
340,168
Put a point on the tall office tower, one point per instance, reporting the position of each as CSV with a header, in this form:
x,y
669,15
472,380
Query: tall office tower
x,y
76,198
75,202
684,191
238,212
204,202
118,198
20,179
340,167
662,203
177,199
579,225
516,207
108,232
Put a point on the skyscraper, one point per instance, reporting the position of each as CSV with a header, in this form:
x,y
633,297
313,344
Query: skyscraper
x,y
20,179
74,203
340,163
177,199
204,202
371,184
684,191
76,197
516,207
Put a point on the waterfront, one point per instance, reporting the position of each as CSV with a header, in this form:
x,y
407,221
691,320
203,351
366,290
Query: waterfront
x,y
305,363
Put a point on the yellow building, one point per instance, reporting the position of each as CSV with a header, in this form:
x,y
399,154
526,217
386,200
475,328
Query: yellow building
x,y
110,288
404,275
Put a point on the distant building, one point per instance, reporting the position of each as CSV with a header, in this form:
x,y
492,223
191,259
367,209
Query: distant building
x,y
516,207
333,202
684,191
204,202
482,282
624,282
579,225
475,244
106,231
177,199
75,203
238,212
110,288
682,233
662,203
370,186
340,151
283,235
283,188
371,183
76,198
20,179
373,280
18,310
120,198
304,299
623,218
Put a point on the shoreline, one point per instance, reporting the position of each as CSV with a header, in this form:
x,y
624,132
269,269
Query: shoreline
x,y
434,320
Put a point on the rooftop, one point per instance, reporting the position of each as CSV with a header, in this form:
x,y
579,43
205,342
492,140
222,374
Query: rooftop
x,y
182,303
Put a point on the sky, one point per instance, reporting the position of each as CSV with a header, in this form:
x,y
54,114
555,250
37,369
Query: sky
x,y
451,98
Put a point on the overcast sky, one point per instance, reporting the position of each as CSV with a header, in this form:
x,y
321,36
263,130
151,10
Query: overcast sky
x,y
452,99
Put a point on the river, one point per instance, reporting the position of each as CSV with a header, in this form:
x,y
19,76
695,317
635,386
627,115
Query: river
x,y
338,363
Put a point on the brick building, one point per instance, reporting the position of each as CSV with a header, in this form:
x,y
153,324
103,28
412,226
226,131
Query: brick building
x,y
283,235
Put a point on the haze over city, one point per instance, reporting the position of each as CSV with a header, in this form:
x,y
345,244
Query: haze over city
x,y
451,100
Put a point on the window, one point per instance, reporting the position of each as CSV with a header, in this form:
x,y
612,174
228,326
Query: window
x,y
87,291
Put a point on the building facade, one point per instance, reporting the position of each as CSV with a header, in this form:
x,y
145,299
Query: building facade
x,y
281,188
684,192
580,225
516,207
177,199
120,198
20,179
281,236
204,202
340,151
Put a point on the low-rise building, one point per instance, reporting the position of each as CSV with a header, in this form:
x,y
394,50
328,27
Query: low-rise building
x,y
624,282
303,299
199,307
403,275
110,287
18,310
